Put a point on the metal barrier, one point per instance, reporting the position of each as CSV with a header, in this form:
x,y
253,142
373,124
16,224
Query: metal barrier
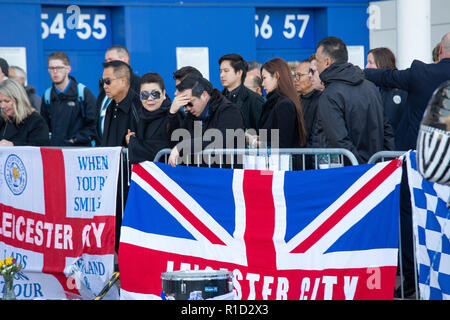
x,y
385,155
332,157
322,157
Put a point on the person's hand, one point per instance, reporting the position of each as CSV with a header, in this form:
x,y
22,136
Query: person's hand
x,y
129,134
174,155
179,101
6,143
252,141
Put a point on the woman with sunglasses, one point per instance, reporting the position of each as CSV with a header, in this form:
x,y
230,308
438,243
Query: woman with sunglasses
x,y
20,123
151,135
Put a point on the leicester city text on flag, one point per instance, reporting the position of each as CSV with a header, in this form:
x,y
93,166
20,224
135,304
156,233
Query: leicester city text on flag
x,y
431,225
57,219
318,234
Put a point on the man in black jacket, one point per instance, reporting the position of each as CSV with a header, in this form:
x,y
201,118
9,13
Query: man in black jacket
x,y
118,53
119,116
233,70
350,112
420,81
121,113
211,116
309,98
71,120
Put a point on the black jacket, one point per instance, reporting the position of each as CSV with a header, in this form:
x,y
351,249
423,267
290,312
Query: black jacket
x,y
119,118
151,135
310,102
35,100
223,115
250,104
32,131
419,81
64,117
278,112
350,113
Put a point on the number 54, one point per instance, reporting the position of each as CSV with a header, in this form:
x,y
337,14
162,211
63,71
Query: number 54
x,y
289,26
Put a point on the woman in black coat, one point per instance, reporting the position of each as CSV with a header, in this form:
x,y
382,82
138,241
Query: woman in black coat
x,y
393,99
151,135
20,123
282,110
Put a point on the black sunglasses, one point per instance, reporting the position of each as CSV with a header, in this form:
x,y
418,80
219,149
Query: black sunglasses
x,y
155,94
106,81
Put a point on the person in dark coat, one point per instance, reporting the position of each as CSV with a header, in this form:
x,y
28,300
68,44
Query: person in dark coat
x,y
120,53
393,98
17,73
309,98
233,70
121,113
20,123
282,110
210,113
419,81
70,121
350,112
151,135
119,117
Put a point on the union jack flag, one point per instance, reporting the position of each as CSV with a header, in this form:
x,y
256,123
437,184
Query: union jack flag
x,y
317,234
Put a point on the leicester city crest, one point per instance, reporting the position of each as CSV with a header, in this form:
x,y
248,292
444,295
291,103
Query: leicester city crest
x,y
15,174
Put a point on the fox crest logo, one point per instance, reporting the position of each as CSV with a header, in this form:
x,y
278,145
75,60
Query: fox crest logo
x,y
15,174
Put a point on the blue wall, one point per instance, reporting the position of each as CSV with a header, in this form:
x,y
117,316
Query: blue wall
x,y
152,31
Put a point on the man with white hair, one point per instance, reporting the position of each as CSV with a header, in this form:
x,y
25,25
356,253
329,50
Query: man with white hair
x,y
20,75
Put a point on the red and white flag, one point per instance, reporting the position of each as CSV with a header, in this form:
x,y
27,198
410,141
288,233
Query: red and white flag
x,y
57,219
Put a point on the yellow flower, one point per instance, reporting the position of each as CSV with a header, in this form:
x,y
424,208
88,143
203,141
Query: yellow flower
x,y
2,263
8,261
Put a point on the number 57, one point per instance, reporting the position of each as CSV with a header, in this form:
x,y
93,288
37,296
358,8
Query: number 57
x,y
289,26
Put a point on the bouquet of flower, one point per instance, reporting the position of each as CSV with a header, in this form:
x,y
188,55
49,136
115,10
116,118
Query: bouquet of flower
x,y
9,266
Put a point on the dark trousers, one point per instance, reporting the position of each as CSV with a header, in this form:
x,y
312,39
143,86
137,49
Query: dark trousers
x,y
406,231
122,193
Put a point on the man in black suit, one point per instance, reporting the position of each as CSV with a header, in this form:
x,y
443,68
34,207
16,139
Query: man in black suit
x,y
115,53
420,81
233,70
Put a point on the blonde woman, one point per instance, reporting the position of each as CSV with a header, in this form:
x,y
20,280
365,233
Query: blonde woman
x,y
20,123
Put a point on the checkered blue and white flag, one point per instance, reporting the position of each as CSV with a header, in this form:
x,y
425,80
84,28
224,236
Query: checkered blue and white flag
x,y
431,224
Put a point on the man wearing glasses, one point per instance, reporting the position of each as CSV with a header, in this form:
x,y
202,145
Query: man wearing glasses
x,y
309,97
121,113
118,118
67,106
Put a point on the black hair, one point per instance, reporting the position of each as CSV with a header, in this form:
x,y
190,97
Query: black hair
x,y
334,48
152,77
237,63
197,84
183,72
120,68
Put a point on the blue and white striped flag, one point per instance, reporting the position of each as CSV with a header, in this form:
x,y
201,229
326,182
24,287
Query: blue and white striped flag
x,y
431,224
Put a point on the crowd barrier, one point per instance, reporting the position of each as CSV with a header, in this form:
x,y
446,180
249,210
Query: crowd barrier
x,y
330,157
321,158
